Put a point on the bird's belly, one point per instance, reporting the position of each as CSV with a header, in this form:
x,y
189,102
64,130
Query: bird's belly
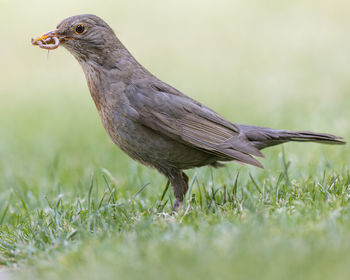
x,y
151,148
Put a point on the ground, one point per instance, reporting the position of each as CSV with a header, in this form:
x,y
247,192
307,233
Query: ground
x,y
73,206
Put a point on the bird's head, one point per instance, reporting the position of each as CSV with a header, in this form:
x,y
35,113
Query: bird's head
x,y
86,36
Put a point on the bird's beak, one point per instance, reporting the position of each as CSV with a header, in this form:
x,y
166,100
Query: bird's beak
x,y
49,41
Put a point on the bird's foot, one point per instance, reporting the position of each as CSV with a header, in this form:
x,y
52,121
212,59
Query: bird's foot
x,y
177,206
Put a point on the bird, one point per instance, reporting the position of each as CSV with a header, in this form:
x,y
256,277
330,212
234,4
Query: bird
x,y
153,122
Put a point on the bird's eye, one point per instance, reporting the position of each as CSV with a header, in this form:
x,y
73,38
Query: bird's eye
x,y
79,28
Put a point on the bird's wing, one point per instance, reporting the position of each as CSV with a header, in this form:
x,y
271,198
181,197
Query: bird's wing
x,y
169,112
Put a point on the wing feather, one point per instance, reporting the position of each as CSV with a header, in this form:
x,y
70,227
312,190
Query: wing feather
x,y
181,118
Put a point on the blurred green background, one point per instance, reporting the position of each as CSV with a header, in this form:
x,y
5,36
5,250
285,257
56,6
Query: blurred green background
x,y
273,63
281,64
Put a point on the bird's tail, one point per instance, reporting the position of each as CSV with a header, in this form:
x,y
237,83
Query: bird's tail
x,y
262,137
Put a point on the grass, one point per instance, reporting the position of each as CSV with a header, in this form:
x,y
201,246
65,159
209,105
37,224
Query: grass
x,y
73,206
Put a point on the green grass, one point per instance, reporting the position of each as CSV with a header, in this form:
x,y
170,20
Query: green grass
x,y
73,206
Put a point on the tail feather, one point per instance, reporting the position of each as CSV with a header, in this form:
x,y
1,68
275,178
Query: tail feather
x,y
262,137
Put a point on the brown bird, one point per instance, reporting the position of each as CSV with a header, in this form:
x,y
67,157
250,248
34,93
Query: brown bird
x,y
153,122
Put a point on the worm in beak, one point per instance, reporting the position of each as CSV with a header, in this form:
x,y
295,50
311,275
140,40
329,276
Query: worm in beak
x,y
48,41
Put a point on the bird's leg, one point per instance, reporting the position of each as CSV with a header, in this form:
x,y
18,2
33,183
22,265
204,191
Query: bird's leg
x,y
179,182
